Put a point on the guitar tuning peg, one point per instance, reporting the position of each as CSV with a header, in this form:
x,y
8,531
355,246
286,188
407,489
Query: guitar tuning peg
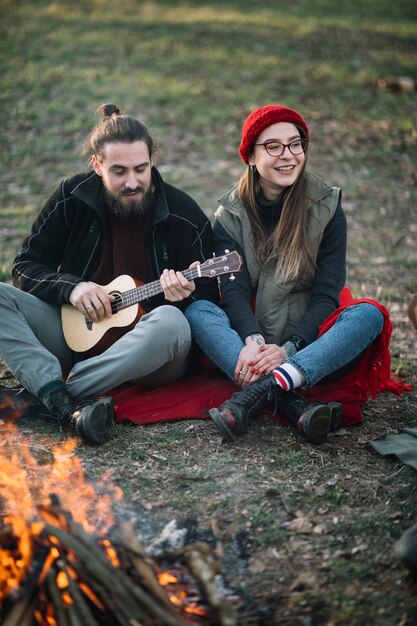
x,y
232,277
227,251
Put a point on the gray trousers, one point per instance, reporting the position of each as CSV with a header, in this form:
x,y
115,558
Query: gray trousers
x,y
32,345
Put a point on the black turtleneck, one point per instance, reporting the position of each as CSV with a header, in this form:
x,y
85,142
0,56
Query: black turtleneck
x,y
270,211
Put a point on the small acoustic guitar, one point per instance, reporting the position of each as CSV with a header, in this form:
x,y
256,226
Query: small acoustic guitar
x,y
91,338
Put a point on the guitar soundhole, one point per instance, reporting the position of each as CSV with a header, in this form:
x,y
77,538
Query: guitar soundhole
x,y
117,303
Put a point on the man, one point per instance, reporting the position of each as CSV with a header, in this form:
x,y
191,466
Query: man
x,y
121,218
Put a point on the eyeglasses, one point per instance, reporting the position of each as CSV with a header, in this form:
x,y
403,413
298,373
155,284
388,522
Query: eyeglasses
x,y
276,148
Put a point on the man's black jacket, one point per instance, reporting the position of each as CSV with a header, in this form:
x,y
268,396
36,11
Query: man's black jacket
x,y
66,240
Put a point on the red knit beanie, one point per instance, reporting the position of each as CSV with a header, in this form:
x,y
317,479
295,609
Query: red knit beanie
x,y
263,117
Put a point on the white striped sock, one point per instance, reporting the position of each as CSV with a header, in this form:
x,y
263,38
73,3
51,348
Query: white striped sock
x,y
287,377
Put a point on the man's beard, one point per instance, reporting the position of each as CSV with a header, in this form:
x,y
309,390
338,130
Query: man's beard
x,y
132,208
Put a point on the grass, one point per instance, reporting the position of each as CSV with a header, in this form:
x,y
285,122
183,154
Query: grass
x,y
193,70
196,73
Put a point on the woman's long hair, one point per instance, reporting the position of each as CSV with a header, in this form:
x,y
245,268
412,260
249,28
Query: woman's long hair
x,y
287,247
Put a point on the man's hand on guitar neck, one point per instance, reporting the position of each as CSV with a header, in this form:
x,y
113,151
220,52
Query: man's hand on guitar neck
x,y
176,287
92,301
95,303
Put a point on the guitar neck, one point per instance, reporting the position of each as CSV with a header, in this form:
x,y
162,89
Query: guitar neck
x,y
138,294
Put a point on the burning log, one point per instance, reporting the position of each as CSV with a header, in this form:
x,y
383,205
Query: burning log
x,y
202,565
144,570
55,572
199,560
78,579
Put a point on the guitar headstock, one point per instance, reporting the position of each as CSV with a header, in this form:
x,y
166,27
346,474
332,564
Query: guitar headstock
x,y
227,263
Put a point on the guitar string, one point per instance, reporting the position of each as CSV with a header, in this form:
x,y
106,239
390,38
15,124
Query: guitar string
x,y
148,290
129,297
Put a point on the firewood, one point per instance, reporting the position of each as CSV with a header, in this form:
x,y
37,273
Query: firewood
x,y
145,572
85,616
21,614
146,600
98,588
199,560
117,591
55,597
99,573
202,565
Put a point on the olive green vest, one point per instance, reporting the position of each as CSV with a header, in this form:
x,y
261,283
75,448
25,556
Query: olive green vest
x,y
279,305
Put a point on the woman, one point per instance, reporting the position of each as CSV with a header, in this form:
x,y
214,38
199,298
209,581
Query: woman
x,y
290,228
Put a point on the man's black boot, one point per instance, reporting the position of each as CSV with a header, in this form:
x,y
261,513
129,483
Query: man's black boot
x,y
91,419
233,417
313,419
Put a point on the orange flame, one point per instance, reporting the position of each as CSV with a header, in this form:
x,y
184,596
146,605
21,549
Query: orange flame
x,y
62,580
88,592
27,484
165,578
29,490
111,553
195,609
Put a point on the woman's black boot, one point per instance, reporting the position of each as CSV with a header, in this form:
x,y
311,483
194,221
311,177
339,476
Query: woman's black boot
x,y
233,417
313,419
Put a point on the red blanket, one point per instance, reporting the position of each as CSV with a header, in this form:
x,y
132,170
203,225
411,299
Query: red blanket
x,y
371,376
193,396
189,398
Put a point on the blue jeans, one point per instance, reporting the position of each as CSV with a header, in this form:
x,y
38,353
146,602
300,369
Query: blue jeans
x,y
355,329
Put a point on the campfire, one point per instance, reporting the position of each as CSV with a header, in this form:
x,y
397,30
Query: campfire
x,y
64,561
